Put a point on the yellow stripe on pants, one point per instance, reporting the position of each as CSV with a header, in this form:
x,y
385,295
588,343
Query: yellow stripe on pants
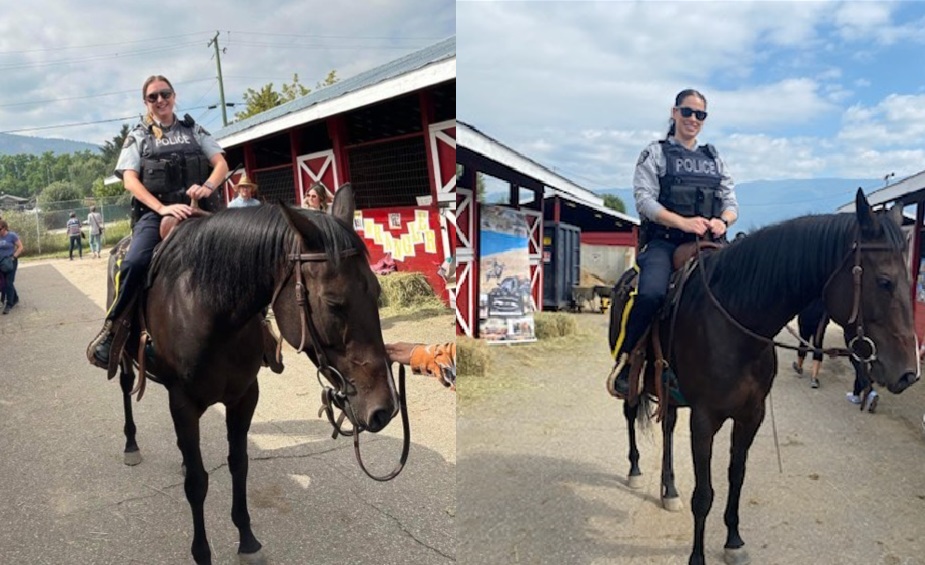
x,y
116,281
625,316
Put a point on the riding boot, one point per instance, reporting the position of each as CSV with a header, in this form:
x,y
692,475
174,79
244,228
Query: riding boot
x,y
618,383
98,351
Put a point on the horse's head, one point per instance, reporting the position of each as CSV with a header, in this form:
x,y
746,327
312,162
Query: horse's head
x,y
870,296
336,318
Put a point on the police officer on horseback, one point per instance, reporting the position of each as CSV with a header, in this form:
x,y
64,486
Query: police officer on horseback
x,y
683,191
165,163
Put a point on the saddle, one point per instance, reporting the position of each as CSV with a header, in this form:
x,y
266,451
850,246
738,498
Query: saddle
x,y
132,318
648,351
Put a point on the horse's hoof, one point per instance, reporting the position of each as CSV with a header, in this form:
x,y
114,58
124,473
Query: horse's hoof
x,y
132,458
672,504
736,556
634,481
256,558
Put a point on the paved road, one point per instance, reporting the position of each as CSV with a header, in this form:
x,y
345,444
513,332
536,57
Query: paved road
x,y
66,497
543,464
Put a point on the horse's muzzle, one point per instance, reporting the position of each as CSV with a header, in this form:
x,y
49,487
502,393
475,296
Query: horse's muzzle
x,y
908,379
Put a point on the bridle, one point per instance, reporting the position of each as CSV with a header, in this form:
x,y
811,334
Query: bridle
x,y
860,347
338,395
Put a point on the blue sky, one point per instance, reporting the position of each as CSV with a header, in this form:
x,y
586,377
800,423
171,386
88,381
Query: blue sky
x,y
795,90
84,62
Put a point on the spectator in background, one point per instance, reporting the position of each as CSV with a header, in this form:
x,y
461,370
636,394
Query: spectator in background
x,y
316,197
73,232
10,250
812,322
247,194
95,221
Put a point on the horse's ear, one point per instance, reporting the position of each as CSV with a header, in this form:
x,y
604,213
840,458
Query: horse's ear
x,y
296,220
865,214
344,204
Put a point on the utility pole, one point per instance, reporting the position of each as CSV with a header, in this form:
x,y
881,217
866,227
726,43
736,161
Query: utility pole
x,y
221,85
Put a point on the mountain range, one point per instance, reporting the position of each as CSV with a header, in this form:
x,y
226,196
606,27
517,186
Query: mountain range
x,y
11,144
765,202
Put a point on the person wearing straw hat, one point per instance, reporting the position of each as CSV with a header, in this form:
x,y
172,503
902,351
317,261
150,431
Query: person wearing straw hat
x,y
247,194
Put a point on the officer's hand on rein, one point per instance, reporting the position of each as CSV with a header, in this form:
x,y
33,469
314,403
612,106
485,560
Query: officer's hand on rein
x,y
178,211
198,192
696,225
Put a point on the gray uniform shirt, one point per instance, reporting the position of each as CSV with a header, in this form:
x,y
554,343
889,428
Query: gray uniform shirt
x,y
651,165
132,151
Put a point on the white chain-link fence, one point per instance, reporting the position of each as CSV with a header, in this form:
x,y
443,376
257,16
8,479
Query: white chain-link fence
x,y
43,229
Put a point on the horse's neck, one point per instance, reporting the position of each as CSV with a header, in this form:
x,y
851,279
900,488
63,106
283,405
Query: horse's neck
x,y
766,307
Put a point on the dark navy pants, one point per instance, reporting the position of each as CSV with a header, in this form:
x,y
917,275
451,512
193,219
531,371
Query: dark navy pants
x,y
654,263
134,266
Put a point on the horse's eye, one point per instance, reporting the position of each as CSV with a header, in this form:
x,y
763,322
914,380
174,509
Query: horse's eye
x,y
335,303
885,283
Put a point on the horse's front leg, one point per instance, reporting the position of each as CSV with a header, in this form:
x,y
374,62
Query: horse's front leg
x,y
743,434
670,499
238,420
131,455
186,424
703,430
634,479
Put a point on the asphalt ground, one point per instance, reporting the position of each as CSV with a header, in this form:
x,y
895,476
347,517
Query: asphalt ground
x,y
67,498
543,465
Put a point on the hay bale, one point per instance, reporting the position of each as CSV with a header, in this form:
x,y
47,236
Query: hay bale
x,y
554,324
407,290
473,356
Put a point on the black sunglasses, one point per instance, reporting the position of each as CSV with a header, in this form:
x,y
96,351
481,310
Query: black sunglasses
x,y
688,112
166,94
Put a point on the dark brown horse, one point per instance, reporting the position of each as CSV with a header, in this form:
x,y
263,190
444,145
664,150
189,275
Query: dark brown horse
x,y
211,283
718,340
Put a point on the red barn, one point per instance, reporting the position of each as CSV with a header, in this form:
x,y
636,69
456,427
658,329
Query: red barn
x,y
390,132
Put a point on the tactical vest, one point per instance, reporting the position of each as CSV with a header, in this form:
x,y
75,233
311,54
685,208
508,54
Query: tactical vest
x,y
172,164
689,187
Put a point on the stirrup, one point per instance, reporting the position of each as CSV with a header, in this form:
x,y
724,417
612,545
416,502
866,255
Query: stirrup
x,y
618,367
105,333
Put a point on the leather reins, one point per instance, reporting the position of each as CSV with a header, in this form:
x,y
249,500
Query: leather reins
x,y
857,314
339,395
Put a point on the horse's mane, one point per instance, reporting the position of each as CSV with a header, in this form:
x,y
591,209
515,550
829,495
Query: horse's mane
x,y
234,256
787,258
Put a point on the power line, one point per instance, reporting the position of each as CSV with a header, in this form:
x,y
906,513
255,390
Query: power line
x,y
99,44
89,96
98,57
134,116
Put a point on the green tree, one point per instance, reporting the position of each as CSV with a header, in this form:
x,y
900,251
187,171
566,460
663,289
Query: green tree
x,y
58,191
267,97
112,148
614,202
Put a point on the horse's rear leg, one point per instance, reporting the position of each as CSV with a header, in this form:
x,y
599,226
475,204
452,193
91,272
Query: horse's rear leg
x,y
186,424
634,479
670,499
743,434
131,455
238,420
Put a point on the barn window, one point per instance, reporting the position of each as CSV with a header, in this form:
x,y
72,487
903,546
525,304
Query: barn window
x,y
391,173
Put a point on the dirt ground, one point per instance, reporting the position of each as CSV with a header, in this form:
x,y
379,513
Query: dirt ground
x,y
63,476
542,464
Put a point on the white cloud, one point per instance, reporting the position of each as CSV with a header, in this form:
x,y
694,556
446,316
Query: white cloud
x,y
262,47
594,82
